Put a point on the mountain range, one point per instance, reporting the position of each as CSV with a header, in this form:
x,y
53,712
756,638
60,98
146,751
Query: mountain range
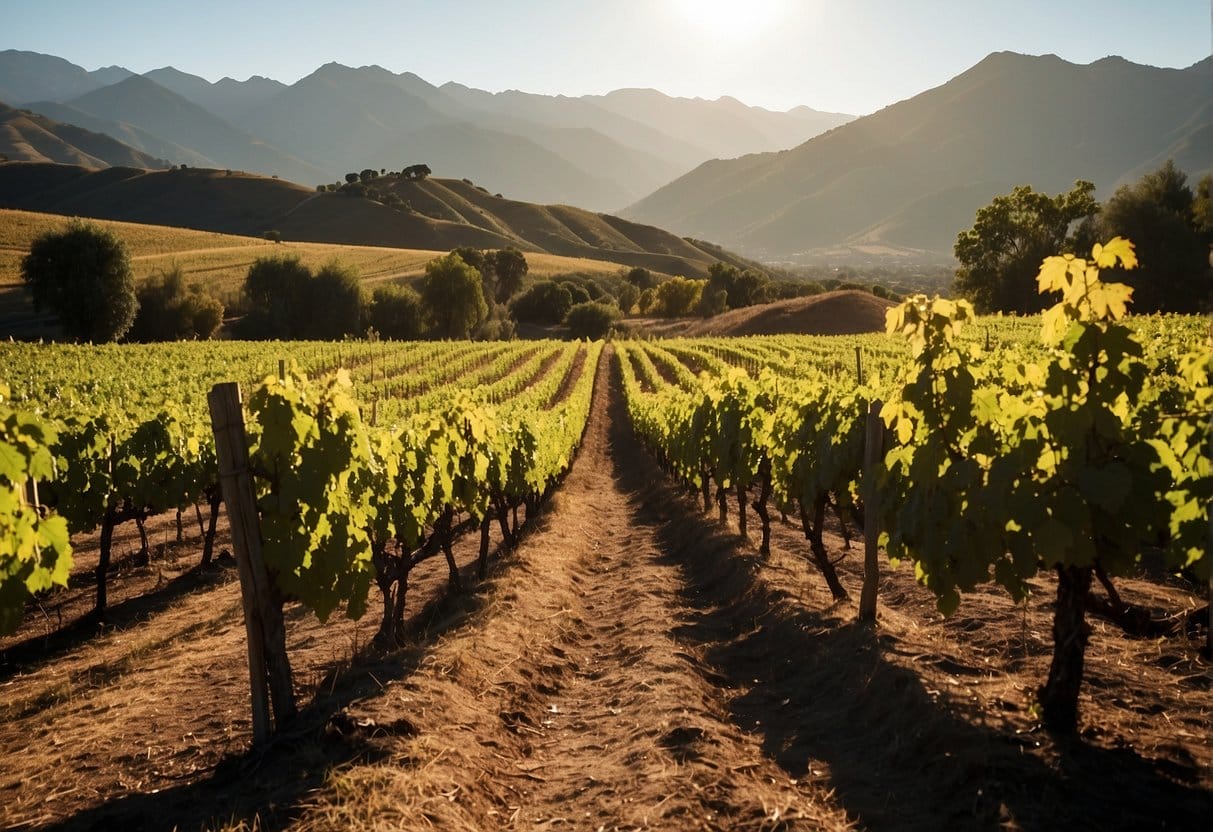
x,y
897,184
598,152
907,179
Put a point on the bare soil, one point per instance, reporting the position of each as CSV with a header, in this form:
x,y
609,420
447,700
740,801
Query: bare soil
x,y
631,664
843,312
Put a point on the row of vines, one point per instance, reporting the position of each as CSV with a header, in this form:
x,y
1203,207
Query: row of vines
x,y
1074,448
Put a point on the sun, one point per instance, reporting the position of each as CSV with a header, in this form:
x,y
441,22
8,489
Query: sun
x,y
729,18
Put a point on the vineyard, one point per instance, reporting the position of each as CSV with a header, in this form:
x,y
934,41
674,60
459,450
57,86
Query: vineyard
x,y
618,587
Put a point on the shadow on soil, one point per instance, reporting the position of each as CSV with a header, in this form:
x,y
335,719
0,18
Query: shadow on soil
x,y
827,702
39,650
264,789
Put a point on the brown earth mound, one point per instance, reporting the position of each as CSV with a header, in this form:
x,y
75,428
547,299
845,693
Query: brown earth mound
x,y
846,312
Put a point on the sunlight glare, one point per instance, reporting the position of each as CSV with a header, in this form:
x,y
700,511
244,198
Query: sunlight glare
x,y
730,18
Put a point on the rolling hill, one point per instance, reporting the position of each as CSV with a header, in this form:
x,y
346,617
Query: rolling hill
x,y
218,261
911,176
444,213
29,137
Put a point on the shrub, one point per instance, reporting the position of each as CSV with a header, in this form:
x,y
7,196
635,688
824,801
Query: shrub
x,y
171,311
591,320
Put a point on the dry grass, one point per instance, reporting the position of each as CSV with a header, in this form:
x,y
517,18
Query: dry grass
x,y
221,261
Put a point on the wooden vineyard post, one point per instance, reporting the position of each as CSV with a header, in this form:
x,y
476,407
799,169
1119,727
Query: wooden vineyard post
x,y
858,365
873,447
269,668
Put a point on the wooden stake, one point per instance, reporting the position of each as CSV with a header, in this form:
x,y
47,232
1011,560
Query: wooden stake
x,y
269,668
872,452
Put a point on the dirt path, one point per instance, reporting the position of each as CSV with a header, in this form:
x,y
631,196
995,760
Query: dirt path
x,y
630,665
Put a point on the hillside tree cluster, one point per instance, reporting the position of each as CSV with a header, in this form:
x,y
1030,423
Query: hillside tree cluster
x,y
1171,223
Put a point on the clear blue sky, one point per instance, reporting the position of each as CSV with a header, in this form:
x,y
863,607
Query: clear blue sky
x,y
844,55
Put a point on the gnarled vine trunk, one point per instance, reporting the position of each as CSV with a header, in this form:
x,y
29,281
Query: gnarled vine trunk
x,y
1059,695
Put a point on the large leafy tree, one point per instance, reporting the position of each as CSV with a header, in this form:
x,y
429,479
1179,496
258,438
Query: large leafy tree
x,y
509,268
1001,254
1169,223
453,297
83,275
544,303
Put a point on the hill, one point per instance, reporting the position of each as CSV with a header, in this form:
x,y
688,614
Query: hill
x,y
846,312
911,176
221,261
29,137
444,213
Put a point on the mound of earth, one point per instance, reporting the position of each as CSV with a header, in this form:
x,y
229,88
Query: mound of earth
x,y
846,312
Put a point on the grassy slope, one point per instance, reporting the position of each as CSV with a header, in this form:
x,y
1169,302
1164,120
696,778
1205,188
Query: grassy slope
x,y
222,260
446,213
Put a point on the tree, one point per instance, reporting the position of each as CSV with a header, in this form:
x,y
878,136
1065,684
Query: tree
x,y
577,292
368,174
273,293
171,311
742,288
474,257
628,296
677,297
453,297
416,173
642,278
1001,254
591,320
273,236
544,303
396,313
712,301
351,178
1161,213
509,268
83,275
332,304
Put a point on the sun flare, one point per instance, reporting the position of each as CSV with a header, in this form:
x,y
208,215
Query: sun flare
x,y
729,18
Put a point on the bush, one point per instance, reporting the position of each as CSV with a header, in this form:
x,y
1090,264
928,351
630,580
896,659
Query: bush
x,y
591,320
677,297
577,292
453,297
285,301
332,304
544,303
628,296
712,302
83,275
169,311
396,313
642,278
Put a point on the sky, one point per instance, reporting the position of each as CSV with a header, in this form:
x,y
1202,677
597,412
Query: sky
x,y
851,56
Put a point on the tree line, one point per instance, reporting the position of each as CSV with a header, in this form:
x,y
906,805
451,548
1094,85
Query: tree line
x,y
1170,222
